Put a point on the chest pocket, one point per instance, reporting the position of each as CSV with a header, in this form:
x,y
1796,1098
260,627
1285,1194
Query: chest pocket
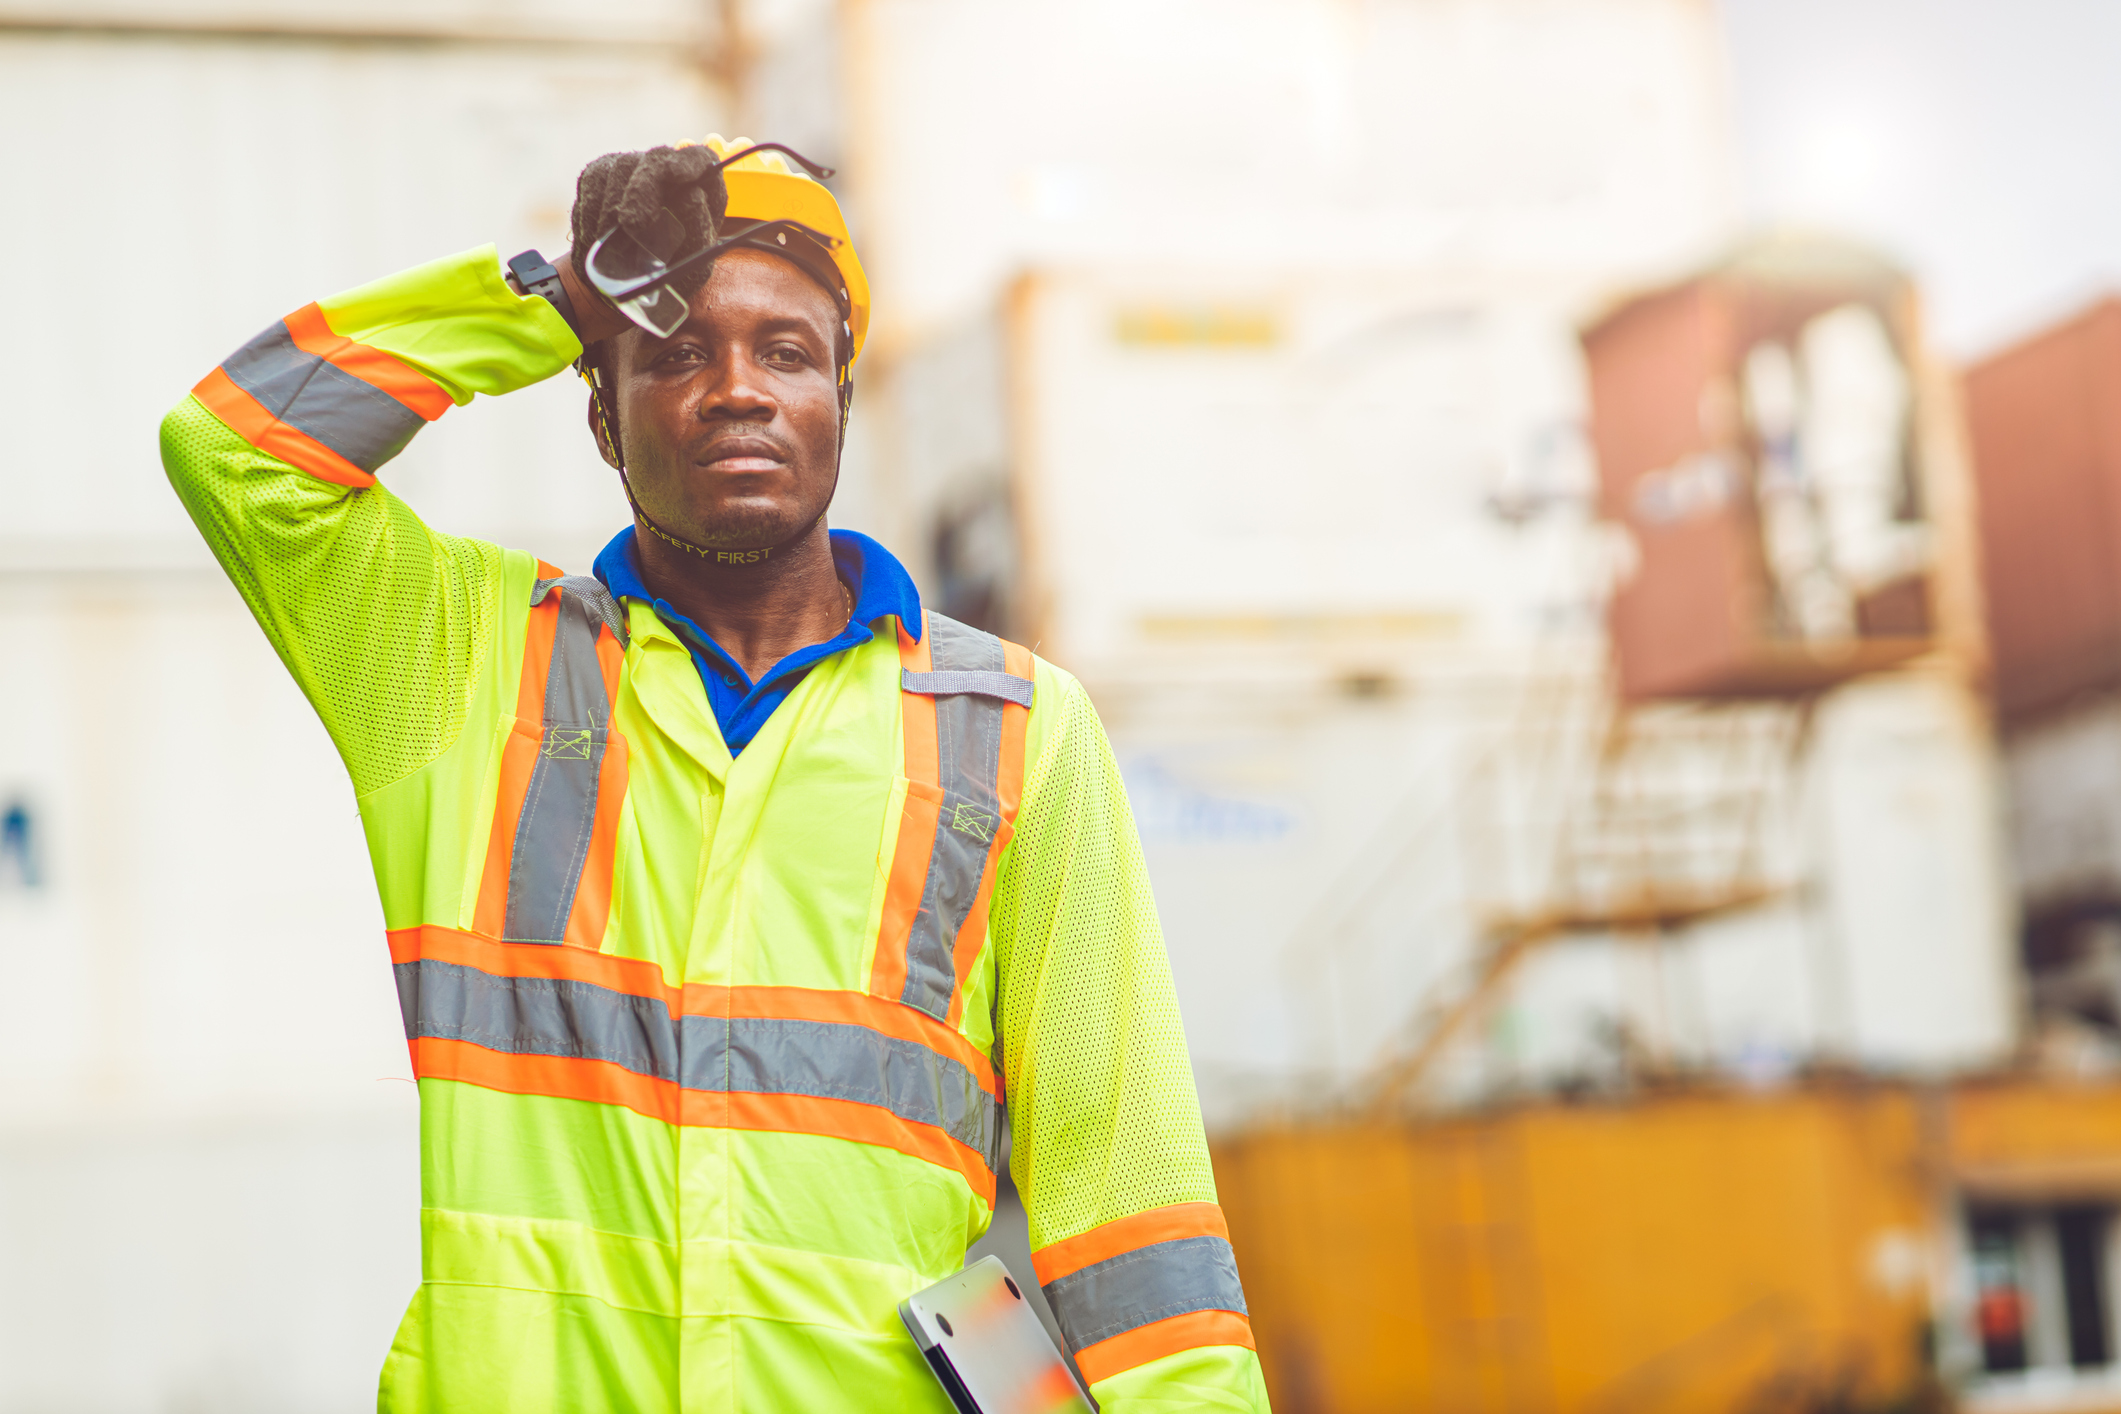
x,y
563,775
965,704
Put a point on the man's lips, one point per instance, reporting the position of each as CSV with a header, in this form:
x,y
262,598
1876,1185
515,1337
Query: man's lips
x,y
739,454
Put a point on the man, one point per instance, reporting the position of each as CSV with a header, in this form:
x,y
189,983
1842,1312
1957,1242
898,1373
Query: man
x,y
729,893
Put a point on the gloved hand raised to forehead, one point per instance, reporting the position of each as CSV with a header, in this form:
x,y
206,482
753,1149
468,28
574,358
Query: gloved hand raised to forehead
x,y
670,199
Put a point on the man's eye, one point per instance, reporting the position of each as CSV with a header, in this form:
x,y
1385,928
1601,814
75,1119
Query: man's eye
x,y
787,355
683,353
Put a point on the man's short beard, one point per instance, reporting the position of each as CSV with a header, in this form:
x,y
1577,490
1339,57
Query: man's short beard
x,y
747,528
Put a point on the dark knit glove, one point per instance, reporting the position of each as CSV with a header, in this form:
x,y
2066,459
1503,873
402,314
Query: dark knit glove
x,y
636,190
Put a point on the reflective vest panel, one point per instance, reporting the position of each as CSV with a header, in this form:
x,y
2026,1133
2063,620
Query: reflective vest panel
x,y
525,1003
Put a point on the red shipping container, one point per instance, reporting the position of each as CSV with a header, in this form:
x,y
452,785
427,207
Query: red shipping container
x,y
2045,423
1754,429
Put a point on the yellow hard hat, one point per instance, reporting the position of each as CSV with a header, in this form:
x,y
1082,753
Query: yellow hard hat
x,y
765,186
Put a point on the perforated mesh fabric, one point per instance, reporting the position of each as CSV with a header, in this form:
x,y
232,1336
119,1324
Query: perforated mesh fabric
x,y
383,622
1104,1119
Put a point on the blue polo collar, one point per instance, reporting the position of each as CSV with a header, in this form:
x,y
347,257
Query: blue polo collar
x,y
880,584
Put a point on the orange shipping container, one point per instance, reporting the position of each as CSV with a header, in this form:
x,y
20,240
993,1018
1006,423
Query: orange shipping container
x,y
1678,1256
1846,1245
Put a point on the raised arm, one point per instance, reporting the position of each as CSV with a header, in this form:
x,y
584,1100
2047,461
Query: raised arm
x,y
1107,1143
383,622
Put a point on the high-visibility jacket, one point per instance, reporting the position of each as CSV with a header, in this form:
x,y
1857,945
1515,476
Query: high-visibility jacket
x,y
714,1053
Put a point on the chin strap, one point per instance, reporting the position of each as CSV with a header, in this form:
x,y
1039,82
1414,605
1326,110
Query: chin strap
x,y
717,557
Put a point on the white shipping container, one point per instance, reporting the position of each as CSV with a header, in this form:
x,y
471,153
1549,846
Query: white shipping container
x,y
1355,458
1572,138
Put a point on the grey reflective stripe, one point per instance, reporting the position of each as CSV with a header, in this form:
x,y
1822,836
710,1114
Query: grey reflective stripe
x,y
968,754
560,806
358,420
1151,1283
541,1016
536,1016
590,590
771,1056
1007,686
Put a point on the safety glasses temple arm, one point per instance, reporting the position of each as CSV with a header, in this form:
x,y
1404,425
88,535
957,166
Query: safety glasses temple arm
x,y
815,169
614,288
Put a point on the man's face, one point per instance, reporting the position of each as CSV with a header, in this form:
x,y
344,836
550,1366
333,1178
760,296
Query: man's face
x,y
731,425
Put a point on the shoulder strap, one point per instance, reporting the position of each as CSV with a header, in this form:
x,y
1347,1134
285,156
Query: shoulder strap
x,y
1007,686
591,591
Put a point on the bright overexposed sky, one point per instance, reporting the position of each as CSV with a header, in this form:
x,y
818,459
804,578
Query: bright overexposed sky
x,y
1977,140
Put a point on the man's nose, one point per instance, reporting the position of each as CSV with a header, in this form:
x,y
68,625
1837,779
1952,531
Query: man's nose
x,y
736,391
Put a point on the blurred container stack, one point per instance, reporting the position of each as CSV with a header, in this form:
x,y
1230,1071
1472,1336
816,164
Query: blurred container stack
x,y
1557,720
1781,830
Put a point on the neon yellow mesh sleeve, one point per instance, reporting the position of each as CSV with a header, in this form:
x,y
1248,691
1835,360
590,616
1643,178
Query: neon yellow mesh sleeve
x,y
383,622
1105,1122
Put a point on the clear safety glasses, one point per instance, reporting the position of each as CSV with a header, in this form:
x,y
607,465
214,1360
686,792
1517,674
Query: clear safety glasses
x,y
634,269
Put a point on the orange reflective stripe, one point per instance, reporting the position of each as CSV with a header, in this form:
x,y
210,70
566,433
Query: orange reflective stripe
x,y
1123,1235
248,419
916,828
559,964
645,979
313,335
844,1119
539,632
558,1077
1154,1341
921,760
902,896
519,759
972,937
